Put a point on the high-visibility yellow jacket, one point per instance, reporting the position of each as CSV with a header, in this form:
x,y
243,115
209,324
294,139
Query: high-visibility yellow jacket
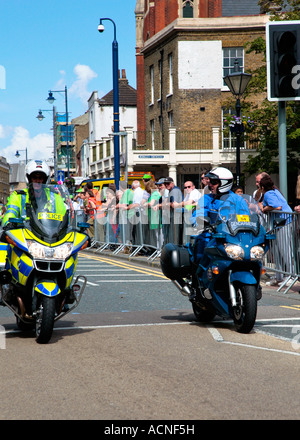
x,y
16,206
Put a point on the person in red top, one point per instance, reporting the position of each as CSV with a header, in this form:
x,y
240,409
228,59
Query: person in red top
x,y
90,186
89,207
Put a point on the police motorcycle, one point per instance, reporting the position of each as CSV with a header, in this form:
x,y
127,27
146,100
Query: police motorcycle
x,y
219,270
41,257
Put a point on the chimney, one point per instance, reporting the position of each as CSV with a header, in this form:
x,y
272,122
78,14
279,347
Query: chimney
x,y
124,80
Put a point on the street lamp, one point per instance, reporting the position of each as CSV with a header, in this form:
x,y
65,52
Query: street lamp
x,y
51,100
237,82
40,117
18,154
115,100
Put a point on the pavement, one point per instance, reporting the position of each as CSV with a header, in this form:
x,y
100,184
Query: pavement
x,y
292,293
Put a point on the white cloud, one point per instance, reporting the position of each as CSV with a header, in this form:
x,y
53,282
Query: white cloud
x,y
5,131
37,147
84,75
61,82
2,135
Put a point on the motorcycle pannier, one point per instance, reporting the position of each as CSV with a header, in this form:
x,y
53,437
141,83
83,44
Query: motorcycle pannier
x,y
175,261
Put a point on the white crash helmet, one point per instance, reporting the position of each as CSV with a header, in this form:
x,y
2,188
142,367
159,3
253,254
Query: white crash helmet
x,y
224,176
37,166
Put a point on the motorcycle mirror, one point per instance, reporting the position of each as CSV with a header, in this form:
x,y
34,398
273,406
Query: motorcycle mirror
x,y
280,222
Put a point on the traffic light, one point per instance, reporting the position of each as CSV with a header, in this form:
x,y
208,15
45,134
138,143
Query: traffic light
x,y
283,60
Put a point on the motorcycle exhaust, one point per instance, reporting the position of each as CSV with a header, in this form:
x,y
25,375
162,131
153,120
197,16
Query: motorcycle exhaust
x,y
182,287
21,316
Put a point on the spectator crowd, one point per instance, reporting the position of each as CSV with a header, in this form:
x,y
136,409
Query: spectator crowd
x,y
154,215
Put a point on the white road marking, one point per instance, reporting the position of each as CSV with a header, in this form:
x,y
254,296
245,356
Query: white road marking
x,y
219,338
132,281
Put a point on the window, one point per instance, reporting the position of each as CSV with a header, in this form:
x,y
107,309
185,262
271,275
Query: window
x,y
160,121
152,134
228,138
188,9
152,84
230,54
170,62
170,116
160,78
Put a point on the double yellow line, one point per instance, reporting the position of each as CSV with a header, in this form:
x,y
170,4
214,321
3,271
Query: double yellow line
x,y
125,265
294,307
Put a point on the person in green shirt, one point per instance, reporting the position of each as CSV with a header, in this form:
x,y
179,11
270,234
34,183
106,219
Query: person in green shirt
x,y
154,216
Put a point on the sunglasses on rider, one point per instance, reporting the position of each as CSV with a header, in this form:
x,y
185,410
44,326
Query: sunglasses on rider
x,y
187,187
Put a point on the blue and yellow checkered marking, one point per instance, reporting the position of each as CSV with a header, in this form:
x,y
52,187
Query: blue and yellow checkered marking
x,y
18,237
3,252
70,268
19,264
79,240
47,288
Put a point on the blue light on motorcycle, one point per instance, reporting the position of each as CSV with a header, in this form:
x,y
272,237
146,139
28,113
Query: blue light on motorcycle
x,y
16,220
83,225
270,236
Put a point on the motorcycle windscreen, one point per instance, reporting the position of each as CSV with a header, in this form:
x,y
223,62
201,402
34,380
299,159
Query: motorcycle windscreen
x,y
237,223
48,213
240,214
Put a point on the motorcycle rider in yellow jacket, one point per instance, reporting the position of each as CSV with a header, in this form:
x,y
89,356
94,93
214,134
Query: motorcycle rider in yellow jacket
x,y
36,172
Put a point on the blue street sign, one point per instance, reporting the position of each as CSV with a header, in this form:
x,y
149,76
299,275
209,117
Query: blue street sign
x,y
60,175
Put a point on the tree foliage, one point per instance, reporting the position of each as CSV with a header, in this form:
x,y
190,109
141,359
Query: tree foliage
x,y
266,114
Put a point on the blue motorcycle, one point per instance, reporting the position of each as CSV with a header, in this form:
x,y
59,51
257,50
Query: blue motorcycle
x,y
219,270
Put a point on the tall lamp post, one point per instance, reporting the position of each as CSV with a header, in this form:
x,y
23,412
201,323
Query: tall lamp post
x,y
40,117
115,100
18,154
237,82
51,100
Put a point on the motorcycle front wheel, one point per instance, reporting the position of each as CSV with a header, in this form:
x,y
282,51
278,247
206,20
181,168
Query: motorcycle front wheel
x,y
45,315
244,314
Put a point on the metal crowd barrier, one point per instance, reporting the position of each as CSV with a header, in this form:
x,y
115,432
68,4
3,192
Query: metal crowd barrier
x,y
283,256
135,232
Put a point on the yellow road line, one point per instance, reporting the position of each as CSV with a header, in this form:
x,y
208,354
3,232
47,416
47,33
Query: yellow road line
x,y
124,265
293,307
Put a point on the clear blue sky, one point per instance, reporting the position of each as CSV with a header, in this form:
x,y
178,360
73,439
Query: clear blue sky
x,y
47,44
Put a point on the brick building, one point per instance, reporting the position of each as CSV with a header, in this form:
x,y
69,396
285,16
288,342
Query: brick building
x,y
184,48
4,179
81,133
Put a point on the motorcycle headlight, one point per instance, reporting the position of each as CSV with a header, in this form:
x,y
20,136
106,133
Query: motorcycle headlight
x,y
41,252
234,251
257,253
63,251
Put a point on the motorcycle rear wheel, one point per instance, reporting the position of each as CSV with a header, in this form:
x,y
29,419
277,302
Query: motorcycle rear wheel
x,y
202,315
244,314
45,319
